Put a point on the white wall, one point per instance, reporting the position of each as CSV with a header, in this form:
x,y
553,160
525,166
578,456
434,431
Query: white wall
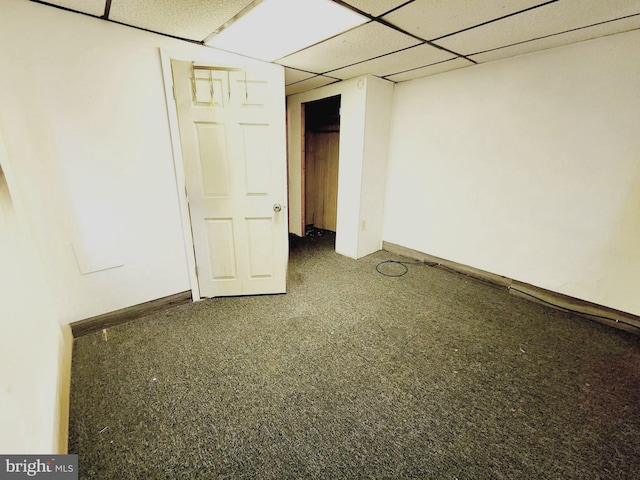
x,y
35,351
377,124
89,205
84,119
527,167
365,106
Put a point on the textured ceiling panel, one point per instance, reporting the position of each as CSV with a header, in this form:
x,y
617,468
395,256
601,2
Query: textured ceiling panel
x,y
376,49
92,7
548,20
291,75
375,7
191,19
596,31
310,84
454,64
431,19
368,41
396,62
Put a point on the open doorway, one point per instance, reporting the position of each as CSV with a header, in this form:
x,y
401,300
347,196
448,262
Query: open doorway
x,y
320,160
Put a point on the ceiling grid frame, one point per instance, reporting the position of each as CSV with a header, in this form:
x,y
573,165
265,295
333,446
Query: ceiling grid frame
x,y
464,36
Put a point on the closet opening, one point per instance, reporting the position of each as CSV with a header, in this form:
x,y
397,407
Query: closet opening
x,y
320,164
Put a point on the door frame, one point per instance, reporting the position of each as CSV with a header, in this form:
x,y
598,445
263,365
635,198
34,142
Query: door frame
x,y
303,168
178,164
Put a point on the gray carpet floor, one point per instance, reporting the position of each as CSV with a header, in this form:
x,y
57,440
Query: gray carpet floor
x,y
353,374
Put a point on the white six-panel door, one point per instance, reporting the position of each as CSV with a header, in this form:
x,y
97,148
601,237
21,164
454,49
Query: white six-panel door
x,y
232,133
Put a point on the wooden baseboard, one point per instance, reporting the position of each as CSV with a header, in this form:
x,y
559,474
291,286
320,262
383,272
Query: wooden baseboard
x,y
64,390
108,320
599,313
609,316
448,264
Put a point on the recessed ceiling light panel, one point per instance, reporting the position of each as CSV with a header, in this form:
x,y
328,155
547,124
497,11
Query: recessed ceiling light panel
x,y
273,29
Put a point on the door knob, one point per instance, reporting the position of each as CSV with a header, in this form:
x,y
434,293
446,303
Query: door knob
x,y
277,207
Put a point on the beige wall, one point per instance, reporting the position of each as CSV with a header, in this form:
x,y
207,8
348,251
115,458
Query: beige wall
x,y
84,118
93,221
35,351
527,167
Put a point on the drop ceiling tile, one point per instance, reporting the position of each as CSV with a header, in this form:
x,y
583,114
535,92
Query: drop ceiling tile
x,y
548,20
445,66
291,75
375,7
431,19
92,7
367,41
310,84
396,62
192,19
596,31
